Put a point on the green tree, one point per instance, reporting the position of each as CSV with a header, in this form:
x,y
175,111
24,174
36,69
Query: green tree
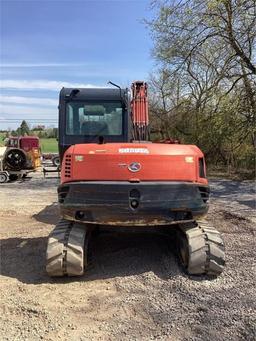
x,y
24,128
13,133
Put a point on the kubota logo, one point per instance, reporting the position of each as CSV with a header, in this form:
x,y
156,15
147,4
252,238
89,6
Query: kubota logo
x,y
134,167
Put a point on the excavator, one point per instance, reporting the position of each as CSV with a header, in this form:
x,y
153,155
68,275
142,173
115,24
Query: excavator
x,y
113,175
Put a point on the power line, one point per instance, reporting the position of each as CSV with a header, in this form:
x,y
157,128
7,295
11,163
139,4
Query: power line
x,y
18,121
29,119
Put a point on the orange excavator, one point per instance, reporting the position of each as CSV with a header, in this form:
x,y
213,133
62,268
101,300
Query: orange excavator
x,y
113,175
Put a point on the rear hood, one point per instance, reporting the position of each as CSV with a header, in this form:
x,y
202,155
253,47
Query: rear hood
x,y
131,162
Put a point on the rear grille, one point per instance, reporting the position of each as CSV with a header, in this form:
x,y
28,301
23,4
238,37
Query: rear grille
x,y
67,167
204,192
201,168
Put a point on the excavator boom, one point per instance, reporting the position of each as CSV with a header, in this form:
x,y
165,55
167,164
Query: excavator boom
x,y
139,111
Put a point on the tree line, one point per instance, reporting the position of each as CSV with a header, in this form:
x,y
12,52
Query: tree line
x,y
40,130
204,89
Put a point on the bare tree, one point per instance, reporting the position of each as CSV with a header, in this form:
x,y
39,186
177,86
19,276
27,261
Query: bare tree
x,y
205,87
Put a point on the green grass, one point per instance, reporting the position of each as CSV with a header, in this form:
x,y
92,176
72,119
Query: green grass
x,y
49,145
2,137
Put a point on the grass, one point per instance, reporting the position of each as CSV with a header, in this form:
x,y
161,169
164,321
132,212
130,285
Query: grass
x,y
2,137
49,145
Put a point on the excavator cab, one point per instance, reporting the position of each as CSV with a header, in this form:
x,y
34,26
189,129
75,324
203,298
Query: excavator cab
x,y
93,116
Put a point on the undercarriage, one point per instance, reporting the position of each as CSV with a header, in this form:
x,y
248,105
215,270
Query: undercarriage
x,y
180,206
200,248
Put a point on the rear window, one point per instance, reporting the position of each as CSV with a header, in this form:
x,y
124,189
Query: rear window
x,y
94,118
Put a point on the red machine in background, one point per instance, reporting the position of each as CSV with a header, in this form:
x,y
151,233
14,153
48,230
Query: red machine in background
x,y
19,156
112,175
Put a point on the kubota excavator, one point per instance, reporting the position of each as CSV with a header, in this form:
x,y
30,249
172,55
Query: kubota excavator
x,y
112,175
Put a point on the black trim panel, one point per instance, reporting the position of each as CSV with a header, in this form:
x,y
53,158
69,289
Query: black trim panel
x,y
125,203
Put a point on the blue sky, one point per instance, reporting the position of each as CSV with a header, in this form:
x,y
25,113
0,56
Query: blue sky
x,y
49,44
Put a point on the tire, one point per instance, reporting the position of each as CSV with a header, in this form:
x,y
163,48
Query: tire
x,y
56,161
15,159
3,178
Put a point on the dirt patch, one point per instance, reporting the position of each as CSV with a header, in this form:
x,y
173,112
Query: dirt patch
x,y
135,289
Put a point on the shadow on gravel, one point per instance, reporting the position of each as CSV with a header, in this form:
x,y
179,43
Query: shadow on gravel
x,y
114,254
49,215
23,258
234,190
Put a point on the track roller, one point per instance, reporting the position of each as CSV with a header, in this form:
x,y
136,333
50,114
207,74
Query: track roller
x,y
67,249
201,249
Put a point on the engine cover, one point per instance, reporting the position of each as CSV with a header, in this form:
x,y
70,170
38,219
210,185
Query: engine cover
x,y
134,162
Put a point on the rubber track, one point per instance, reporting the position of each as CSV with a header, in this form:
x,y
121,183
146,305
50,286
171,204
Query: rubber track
x,y
65,250
215,249
206,250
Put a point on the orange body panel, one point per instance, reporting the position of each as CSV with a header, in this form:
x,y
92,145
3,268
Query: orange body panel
x,y
111,161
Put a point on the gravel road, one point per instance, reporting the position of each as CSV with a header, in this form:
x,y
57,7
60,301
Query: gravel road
x,y
135,289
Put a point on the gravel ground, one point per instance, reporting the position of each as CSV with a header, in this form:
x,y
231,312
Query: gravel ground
x,y
135,289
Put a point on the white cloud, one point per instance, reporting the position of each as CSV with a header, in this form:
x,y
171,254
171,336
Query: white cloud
x,y
28,100
41,84
10,111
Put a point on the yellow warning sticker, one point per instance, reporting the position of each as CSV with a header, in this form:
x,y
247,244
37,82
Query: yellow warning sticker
x,y
79,158
189,159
